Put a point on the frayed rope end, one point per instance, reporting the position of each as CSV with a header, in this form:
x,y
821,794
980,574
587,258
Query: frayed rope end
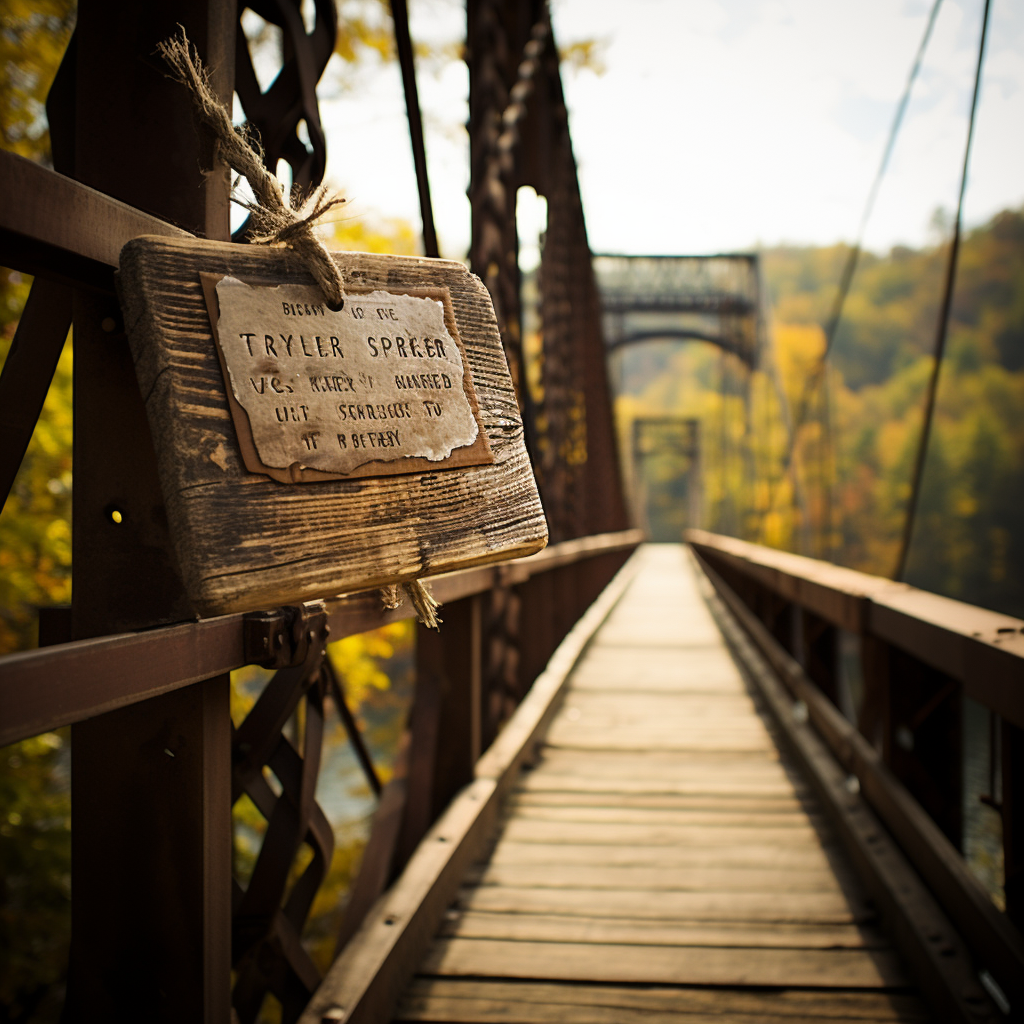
x,y
277,219
422,600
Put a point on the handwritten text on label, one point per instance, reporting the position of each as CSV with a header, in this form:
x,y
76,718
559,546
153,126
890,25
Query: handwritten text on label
x,y
379,380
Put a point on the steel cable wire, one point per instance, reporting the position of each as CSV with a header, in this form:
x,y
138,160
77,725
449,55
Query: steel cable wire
x,y
853,257
942,328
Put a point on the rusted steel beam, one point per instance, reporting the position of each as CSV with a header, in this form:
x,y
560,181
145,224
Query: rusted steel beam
x,y
1012,755
982,649
992,938
67,683
38,236
48,688
151,858
28,370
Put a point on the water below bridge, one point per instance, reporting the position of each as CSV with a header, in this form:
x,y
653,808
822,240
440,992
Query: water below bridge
x,y
661,859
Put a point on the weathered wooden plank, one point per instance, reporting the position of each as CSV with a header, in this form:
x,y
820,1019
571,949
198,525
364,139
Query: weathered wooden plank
x,y
525,830
701,704
802,855
646,816
612,801
651,739
817,908
528,1002
678,724
656,878
590,962
477,1011
640,720
554,928
549,782
643,632
635,740
707,669
607,679
247,541
656,763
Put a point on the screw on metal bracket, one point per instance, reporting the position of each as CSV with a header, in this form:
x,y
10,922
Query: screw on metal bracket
x,y
284,636
309,630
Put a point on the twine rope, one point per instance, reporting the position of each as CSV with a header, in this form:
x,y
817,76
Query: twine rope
x,y
422,600
276,219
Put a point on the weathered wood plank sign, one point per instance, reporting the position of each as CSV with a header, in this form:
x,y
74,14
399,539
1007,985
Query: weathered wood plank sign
x,y
306,452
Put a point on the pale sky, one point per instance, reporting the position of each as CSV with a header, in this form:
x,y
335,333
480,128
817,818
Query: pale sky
x,y
724,124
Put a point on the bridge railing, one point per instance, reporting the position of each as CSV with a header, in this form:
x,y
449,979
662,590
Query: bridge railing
x,y
462,697
882,670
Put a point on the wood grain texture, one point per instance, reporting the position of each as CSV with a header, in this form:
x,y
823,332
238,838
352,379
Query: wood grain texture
x,y
694,965
554,928
526,1002
611,801
660,878
796,908
632,855
244,541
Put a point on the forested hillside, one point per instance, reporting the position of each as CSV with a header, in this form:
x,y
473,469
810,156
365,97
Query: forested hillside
x,y
855,454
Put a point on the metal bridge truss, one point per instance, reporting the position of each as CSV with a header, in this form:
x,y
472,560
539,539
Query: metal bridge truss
x,y
716,299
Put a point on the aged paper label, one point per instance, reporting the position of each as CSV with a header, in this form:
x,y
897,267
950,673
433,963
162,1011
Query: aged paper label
x,y
382,381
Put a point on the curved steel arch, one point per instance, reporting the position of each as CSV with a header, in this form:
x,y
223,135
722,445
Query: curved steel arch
x,y
681,334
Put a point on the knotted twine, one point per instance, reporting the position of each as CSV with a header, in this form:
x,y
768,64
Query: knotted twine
x,y
278,221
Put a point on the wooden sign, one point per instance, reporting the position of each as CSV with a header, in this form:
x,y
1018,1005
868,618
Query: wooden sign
x,y
306,452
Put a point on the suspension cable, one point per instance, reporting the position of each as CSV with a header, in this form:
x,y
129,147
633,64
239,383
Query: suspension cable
x,y
942,328
403,42
853,257
832,324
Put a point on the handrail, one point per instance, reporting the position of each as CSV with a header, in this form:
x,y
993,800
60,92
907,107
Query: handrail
x,y
919,652
39,237
55,686
985,927
982,649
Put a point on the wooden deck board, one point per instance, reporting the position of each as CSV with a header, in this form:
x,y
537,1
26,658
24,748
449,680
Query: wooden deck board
x,y
661,860
637,931
447,999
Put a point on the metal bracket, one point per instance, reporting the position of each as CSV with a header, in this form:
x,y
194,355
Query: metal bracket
x,y
284,636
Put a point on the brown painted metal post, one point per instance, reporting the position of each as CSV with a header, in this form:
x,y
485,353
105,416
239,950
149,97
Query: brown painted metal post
x,y
444,740
28,370
151,875
1012,747
453,657
925,745
873,721
819,653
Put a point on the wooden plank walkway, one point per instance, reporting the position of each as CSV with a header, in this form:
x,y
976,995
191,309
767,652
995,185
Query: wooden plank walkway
x,y
661,860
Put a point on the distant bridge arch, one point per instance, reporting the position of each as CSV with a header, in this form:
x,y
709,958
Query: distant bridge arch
x,y
731,345
715,299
